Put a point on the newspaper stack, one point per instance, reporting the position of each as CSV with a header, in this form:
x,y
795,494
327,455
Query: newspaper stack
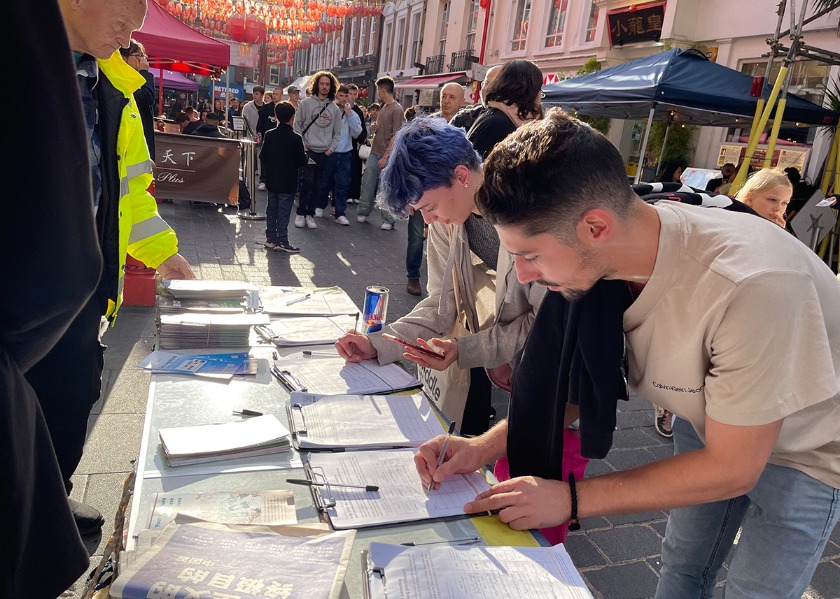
x,y
199,329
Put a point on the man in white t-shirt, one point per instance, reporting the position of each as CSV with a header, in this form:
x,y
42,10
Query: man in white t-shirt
x,y
735,328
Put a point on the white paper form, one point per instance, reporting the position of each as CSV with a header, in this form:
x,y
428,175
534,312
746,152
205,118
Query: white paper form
x,y
323,301
304,330
401,497
362,421
451,572
326,372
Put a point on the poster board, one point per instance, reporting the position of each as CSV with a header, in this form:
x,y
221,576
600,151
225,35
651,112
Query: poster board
x,y
195,168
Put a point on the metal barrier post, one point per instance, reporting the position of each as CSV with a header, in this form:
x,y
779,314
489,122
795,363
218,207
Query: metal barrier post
x,y
250,180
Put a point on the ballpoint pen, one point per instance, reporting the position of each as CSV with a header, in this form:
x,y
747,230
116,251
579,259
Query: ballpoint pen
x,y
309,483
309,352
244,412
356,324
299,299
442,454
464,541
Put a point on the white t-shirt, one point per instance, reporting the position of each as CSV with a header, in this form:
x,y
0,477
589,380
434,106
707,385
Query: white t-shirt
x,y
740,321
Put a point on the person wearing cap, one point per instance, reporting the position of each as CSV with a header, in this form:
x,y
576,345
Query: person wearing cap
x,y
294,96
210,127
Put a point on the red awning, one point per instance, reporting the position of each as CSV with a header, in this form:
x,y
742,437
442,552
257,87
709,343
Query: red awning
x,y
430,81
172,45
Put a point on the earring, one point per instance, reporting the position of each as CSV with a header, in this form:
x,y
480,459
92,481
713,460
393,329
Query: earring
x,y
466,185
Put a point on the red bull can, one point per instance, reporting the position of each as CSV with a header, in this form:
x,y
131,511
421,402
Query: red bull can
x,y
375,309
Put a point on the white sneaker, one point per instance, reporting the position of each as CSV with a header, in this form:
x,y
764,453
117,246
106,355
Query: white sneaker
x,y
310,223
300,222
342,220
261,186
319,212
387,226
361,219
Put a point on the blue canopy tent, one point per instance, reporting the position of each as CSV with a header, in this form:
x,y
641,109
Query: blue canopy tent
x,y
681,86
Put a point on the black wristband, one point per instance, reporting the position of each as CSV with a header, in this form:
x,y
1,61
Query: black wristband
x,y
573,521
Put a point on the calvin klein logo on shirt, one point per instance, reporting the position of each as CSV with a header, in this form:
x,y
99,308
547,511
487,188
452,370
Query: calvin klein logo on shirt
x,y
678,389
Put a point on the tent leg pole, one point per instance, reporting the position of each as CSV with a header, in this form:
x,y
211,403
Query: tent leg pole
x,y
662,151
642,151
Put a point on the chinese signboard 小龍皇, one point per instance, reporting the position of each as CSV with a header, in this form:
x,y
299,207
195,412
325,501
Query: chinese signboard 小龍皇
x,y
636,24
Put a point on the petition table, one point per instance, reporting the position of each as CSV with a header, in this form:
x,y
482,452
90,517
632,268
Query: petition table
x,y
183,400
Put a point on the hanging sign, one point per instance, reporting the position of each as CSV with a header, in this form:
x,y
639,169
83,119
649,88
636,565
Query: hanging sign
x,y
636,24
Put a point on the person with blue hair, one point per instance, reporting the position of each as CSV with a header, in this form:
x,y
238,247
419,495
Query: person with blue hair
x,y
433,169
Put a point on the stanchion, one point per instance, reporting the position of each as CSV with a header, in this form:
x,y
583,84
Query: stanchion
x,y
250,180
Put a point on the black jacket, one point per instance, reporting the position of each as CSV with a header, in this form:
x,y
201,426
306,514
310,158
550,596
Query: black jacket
x,y
267,120
282,154
363,135
205,130
466,117
489,129
146,99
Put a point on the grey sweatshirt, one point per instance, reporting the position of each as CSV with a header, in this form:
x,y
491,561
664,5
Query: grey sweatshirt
x,y
325,133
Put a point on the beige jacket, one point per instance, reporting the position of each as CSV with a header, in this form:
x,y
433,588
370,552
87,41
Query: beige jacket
x,y
498,307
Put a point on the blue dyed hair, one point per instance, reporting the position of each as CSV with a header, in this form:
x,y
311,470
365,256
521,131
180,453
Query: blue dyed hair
x,y
424,154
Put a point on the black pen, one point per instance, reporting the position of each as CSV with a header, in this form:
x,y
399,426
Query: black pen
x,y
309,483
442,454
464,541
247,413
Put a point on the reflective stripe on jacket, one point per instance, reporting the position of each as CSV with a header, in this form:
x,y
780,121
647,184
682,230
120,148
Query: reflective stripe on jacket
x,y
142,232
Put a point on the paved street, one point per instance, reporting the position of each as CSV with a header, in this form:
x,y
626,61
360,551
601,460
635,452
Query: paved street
x,y
618,556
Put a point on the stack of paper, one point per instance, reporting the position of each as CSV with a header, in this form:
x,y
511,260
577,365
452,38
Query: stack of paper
x,y
208,289
472,572
323,301
208,365
265,507
326,372
262,435
204,559
184,331
171,305
295,331
361,421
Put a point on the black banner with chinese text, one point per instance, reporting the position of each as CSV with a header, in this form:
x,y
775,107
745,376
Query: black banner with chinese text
x,y
636,24
195,168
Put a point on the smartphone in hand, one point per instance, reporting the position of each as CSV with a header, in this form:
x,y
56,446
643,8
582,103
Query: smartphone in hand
x,y
422,350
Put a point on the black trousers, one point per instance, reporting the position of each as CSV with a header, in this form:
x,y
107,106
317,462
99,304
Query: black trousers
x,y
312,181
355,175
68,381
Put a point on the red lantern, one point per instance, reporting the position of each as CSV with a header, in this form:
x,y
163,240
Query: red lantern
x,y
246,28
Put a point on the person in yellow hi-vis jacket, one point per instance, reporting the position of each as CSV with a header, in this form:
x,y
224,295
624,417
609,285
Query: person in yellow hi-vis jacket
x,y
68,380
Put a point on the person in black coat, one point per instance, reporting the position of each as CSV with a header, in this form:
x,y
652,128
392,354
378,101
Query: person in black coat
x,y
210,126
146,96
282,155
58,269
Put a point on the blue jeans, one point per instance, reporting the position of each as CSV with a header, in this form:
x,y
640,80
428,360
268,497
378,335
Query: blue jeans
x,y
277,214
414,252
785,522
337,181
370,181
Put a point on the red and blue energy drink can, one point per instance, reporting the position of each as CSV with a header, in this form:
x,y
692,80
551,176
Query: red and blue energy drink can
x,y
375,310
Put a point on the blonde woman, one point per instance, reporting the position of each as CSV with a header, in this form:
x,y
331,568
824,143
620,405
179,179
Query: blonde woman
x,y
768,192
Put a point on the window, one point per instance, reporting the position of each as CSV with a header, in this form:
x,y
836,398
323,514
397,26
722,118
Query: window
x,y
372,38
400,44
472,24
354,25
274,75
521,15
556,23
444,27
386,43
415,39
592,23
363,37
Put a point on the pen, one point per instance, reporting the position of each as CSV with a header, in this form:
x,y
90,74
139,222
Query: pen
x,y
356,324
309,352
309,483
464,541
442,453
247,413
299,299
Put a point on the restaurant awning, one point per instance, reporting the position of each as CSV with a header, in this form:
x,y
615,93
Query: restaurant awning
x,y
429,81
173,80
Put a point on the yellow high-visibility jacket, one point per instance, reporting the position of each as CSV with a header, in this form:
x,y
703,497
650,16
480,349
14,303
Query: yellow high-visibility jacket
x,y
141,232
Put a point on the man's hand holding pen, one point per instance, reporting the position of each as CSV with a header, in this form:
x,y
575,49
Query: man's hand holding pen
x,y
460,455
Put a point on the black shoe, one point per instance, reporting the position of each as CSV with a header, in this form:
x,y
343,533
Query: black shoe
x,y
285,246
413,286
88,519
